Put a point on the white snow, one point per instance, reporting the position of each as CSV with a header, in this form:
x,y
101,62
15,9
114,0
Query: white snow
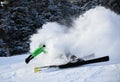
x,y
97,31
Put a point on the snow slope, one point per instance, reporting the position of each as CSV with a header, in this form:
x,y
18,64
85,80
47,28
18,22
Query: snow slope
x,y
20,72
97,31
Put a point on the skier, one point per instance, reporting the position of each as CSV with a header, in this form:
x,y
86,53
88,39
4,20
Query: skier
x,y
35,53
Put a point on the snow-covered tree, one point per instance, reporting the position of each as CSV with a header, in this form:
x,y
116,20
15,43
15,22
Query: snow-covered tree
x,y
21,18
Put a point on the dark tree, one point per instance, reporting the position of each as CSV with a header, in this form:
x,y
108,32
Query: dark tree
x,y
4,47
19,19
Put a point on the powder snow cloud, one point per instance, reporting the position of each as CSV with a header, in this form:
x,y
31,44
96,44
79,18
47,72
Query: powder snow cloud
x,y
97,31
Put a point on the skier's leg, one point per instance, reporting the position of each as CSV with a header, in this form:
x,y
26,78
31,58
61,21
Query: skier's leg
x,y
27,60
31,57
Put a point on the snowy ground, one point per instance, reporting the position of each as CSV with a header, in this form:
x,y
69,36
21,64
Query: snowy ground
x,y
13,69
97,31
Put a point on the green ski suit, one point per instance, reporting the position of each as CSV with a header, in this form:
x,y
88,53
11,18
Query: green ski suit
x,y
38,51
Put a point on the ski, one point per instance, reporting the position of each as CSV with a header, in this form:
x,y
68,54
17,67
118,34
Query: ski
x,y
96,60
75,64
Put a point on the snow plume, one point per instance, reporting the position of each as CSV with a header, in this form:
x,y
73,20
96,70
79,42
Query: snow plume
x,y
97,31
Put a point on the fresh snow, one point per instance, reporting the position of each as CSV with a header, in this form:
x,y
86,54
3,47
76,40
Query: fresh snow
x,y
20,72
97,31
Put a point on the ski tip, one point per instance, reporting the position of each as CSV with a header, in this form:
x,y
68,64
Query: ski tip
x,y
107,58
102,59
37,69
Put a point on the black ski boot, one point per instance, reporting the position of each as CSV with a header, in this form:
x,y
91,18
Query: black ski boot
x,y
73,59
